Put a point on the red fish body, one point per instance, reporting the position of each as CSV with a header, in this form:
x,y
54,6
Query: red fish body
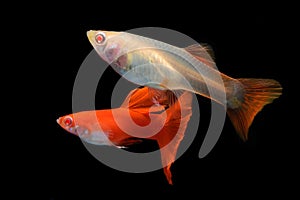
x,y
143,114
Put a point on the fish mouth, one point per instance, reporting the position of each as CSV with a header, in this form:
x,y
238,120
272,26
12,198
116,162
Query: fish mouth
x,y
91,35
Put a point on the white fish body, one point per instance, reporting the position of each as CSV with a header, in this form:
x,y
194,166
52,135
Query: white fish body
x,y
153,63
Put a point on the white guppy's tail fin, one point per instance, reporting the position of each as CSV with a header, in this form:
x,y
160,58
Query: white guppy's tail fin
x,y
257,93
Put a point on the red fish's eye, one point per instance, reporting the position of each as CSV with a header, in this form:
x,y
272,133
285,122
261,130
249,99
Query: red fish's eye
x,y
100,38
68,121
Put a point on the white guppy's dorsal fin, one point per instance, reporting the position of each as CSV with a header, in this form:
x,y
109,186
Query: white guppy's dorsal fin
x,y
202,53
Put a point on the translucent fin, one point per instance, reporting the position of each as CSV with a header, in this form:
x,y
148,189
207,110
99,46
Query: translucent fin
x,y
178,116
202,53
258,93
209,50
164,97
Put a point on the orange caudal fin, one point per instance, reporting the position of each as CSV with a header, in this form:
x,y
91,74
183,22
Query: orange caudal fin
x,y
169,138
164,103
256,94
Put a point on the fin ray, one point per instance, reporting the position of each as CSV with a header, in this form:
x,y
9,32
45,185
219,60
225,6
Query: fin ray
x,y
258,93
202,54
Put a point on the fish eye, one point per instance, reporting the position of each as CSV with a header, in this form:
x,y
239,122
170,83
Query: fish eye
x,y
68,121
100,38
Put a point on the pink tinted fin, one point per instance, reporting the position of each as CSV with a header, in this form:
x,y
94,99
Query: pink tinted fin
x,y
164,97
202,53
146,98
257,93
209,50
178,116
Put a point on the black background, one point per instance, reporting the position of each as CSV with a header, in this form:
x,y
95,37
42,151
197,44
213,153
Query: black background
x,y
248,41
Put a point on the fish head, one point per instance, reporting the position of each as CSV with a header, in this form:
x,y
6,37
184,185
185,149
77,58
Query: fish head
x,y
68,123
85,125
112,47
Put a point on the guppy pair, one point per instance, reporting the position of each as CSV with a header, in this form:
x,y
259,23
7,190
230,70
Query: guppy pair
x,y
164,70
